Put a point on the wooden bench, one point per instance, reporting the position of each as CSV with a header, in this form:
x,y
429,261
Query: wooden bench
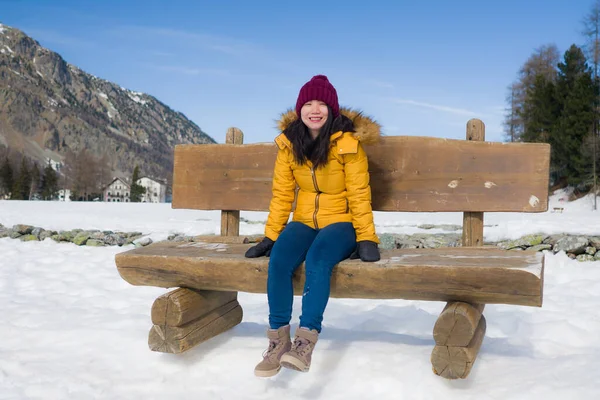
x,y
410,174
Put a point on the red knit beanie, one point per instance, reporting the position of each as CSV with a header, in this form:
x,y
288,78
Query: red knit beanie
x,y
318,88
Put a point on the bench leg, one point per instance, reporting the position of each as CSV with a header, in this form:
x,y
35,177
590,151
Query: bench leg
x,y
458,335
184,318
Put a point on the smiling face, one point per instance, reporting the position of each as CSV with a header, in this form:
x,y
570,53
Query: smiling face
x,y
314,113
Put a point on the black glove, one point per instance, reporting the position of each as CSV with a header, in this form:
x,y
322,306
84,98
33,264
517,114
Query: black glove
x,y
261,249
366,250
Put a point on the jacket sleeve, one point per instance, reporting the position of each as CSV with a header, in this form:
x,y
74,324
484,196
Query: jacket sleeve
x,y
358,193
284,186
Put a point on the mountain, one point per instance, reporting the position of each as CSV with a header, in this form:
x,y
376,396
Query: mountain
x,y
49,108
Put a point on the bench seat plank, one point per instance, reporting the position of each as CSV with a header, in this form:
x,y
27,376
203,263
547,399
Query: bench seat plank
x,y
469,274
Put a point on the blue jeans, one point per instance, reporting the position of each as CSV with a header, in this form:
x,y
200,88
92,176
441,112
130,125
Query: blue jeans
x,y
321,250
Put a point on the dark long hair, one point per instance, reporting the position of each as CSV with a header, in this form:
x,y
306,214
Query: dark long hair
x,y
306,148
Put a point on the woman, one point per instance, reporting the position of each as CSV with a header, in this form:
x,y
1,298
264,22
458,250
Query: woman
x,y
320,151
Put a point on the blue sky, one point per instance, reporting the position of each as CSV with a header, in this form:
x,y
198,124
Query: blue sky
x,y
420,68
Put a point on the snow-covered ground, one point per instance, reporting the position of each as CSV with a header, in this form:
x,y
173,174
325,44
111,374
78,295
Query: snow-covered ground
x,y
71,328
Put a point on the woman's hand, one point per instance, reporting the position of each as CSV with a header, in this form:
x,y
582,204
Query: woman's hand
x,y
261,249
367,251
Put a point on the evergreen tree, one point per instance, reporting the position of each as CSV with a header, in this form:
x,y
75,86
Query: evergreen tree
x,y
50,183
575,95
21,185
36,181
136,192
540,111
6,177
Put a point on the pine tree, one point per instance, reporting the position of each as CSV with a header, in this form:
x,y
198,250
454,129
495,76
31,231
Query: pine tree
x,y
21,185
50,183
6,177
575,94
136,192
34,187
540,111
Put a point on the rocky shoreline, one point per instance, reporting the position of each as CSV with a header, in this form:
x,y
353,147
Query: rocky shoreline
x,y
580,247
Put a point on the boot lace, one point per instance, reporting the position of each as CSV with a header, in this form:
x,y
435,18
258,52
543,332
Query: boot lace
x,y
301,346
272,346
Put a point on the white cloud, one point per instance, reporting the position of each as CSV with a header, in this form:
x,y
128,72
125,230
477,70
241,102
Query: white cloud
x,y
437,107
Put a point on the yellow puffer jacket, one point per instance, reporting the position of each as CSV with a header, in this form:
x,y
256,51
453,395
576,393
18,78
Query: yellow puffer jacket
x,y
338,192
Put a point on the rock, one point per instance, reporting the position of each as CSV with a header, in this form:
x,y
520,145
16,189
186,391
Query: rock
x,y
5,233
553,239
525,241
46,234
590,250
114,240
540,247
145,241
595,241
572,244
37,231
173,236
95,243
29,238
81,238
66,236
14,234
387,241
585,257
183,239
597,256
23,229
444,240
571,256
408,244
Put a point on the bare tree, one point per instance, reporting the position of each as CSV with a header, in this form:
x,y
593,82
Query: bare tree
x,y
542,62
591,28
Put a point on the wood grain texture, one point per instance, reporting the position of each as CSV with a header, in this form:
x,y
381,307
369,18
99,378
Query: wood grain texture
x,y
167,339
452,362
183,305
407,174
457,323
471,275
230,217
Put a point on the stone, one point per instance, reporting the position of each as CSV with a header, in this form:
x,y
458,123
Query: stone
x,y
553,239
572,244
525,241
386,241
15,234
595,241
37,231
46,234
81,238
23,229
145,241
114,240
585,257
540,247
590,250
95,243
29,238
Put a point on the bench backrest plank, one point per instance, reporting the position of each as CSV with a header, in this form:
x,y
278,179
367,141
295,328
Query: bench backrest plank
x,y
408,173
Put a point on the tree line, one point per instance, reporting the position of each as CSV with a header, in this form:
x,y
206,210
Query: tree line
x,y
556,99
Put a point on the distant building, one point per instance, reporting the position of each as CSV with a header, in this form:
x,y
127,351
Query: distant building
x,y
64,195
155,191
117,191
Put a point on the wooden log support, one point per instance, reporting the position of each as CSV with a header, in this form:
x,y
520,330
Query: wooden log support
x,y
457,324
230,219
454,362
184,318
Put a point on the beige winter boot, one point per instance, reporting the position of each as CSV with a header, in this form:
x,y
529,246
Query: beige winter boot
x,y
299,356
279,343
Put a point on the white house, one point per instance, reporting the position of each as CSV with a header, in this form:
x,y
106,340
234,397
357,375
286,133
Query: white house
x,y
117,191
64,195
156,192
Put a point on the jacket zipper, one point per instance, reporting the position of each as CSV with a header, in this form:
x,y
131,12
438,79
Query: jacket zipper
x,y
312,172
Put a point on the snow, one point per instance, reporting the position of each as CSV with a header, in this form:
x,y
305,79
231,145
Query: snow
x,y
135,96
103,95
71,328
2,28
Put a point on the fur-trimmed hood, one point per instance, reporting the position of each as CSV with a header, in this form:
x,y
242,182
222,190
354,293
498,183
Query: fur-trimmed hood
x,y
367,130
